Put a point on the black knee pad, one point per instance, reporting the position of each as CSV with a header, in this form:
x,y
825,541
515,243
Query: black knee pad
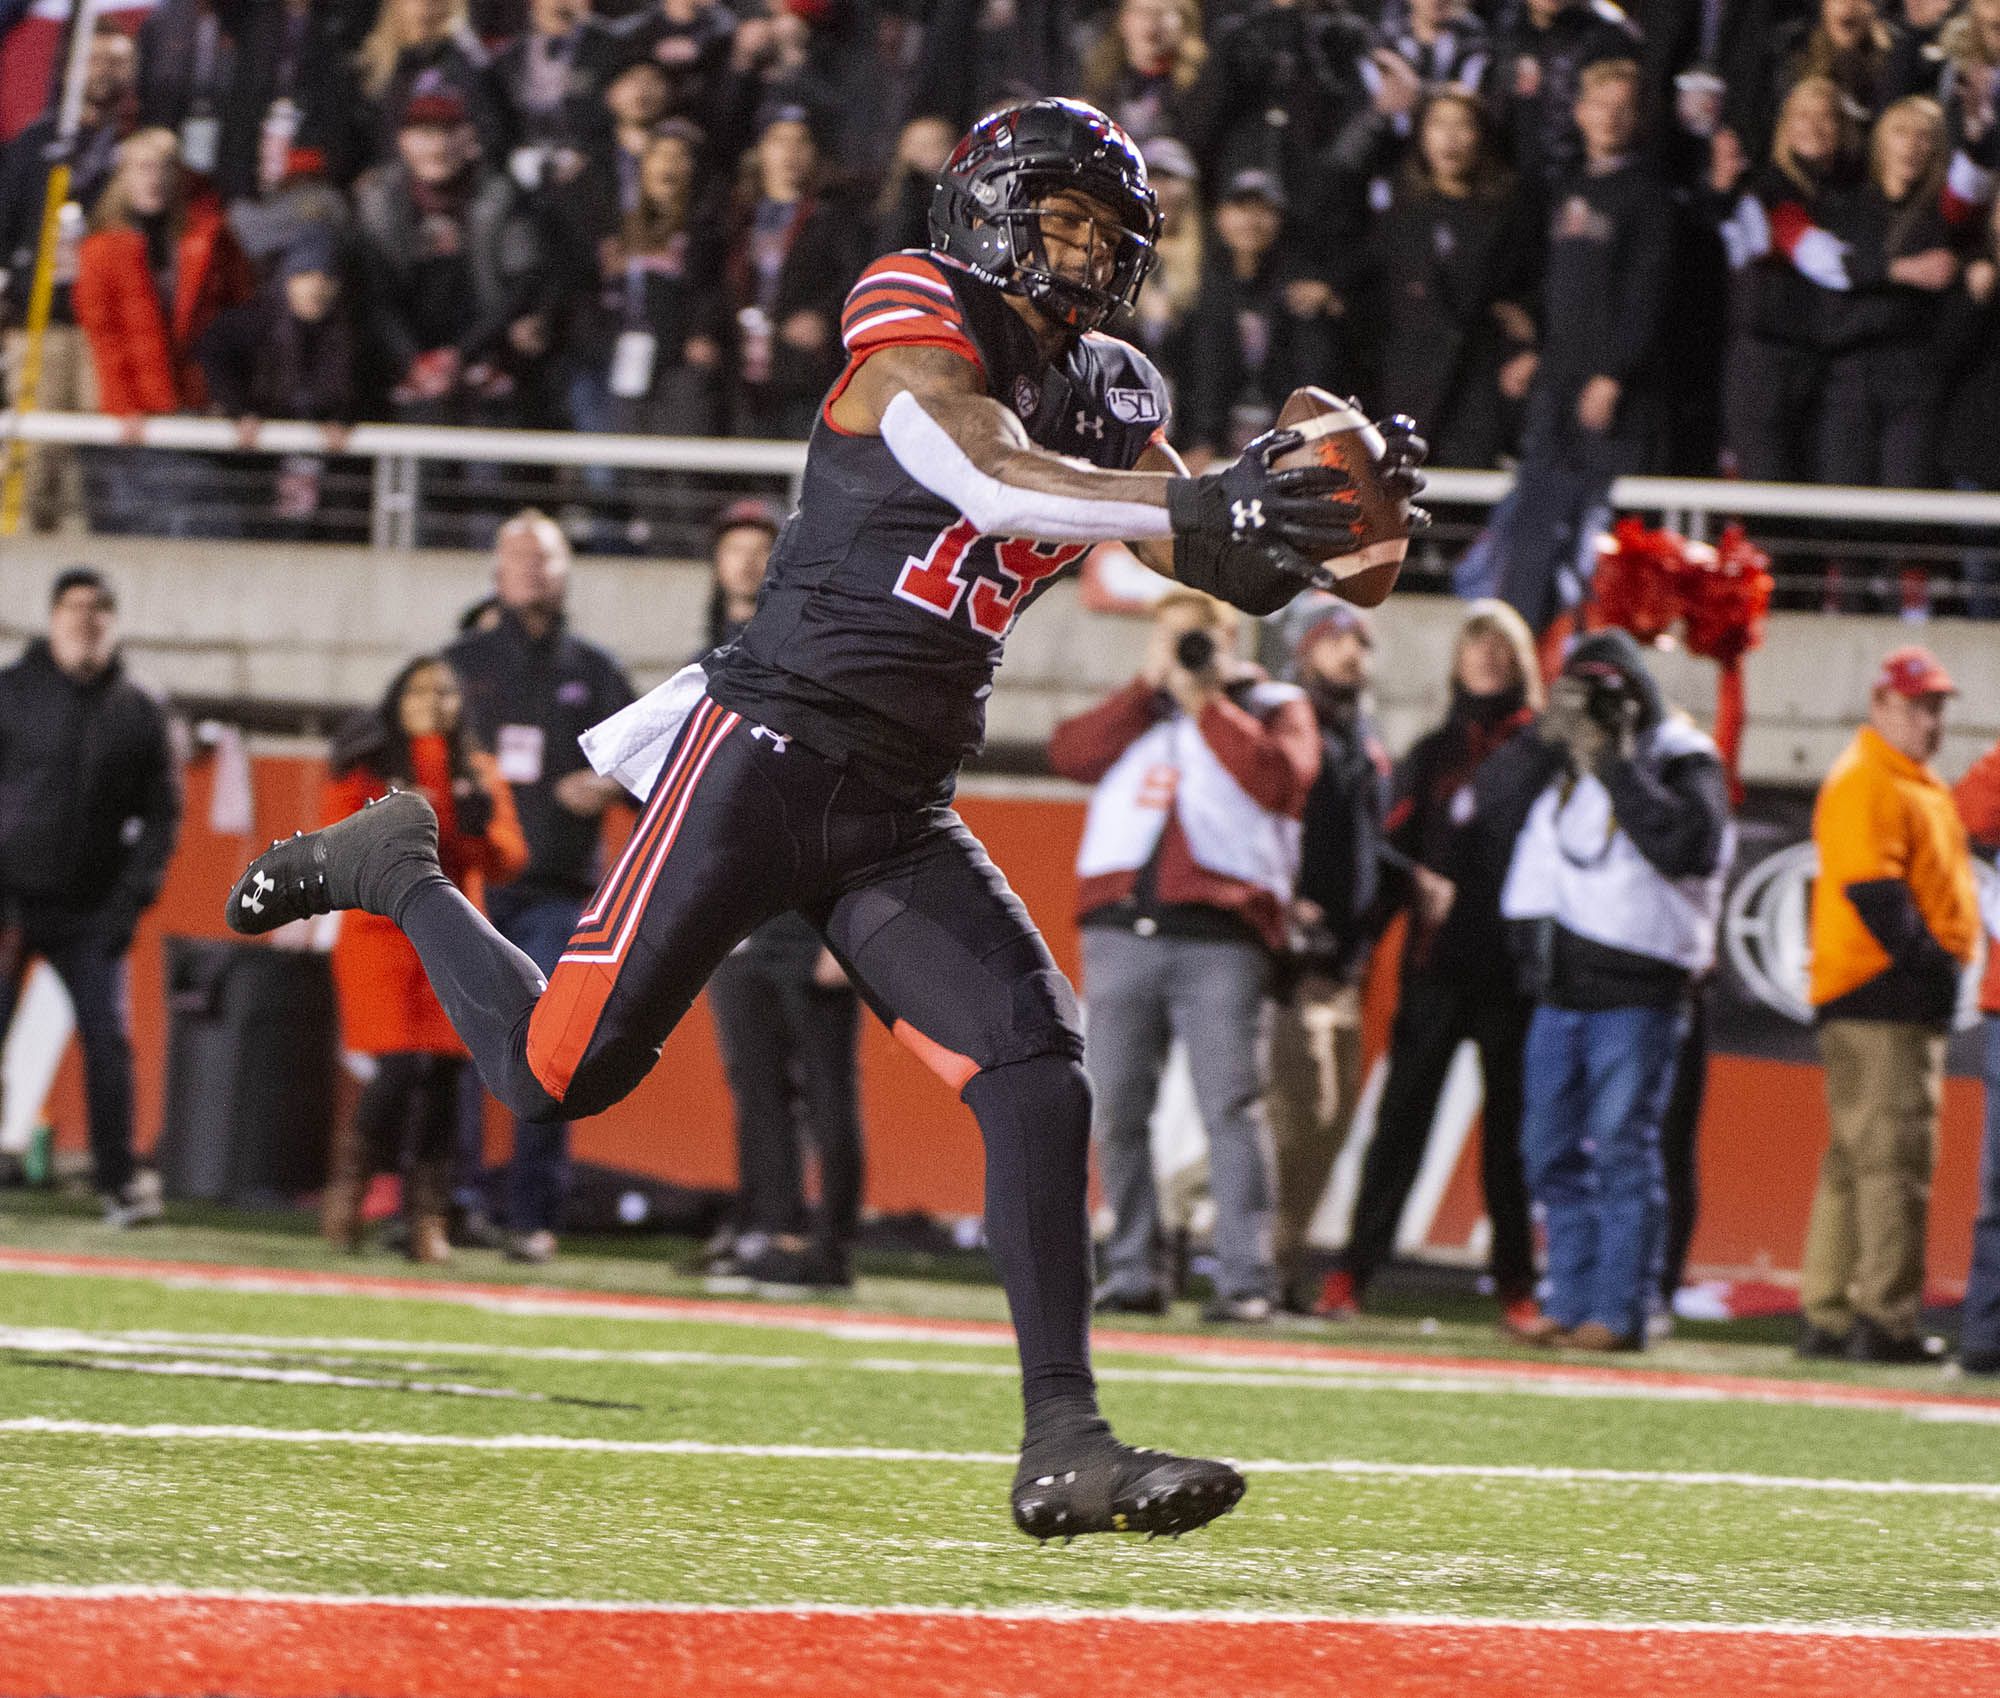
x,y
1048,1092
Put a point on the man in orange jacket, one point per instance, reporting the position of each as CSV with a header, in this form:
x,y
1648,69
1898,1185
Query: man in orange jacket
x,y
1978,798
1894,922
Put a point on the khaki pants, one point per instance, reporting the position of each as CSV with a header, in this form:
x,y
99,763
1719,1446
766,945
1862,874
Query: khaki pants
x,y
68,385
1865,1247
1315,1083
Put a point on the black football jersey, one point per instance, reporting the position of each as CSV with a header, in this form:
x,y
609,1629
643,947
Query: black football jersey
x,y
884,612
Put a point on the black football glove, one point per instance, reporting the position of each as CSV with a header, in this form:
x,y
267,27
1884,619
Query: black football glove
x,y
1403,452
1252,502
1257,577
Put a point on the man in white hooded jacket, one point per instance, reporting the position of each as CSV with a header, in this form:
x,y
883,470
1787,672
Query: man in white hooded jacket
x,y
1616,885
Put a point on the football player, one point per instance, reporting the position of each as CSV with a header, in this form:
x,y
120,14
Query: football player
x,y
984,434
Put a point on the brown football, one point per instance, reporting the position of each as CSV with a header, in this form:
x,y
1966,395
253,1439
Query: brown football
x,y
1338,433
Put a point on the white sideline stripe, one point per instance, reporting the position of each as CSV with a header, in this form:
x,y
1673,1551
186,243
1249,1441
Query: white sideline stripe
x,y
1002,1612
1304,1376
976,1335
44,1426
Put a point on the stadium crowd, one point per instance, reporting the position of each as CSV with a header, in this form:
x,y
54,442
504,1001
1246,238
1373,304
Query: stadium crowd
x,y
1763,235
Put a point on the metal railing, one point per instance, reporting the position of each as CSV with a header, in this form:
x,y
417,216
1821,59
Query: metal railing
x,y
399,472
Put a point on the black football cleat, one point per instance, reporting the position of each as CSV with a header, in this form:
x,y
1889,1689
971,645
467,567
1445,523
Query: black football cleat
x,y
358,862
1112,1488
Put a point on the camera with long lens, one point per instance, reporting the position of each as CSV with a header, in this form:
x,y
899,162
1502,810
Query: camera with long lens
x,y
1195,650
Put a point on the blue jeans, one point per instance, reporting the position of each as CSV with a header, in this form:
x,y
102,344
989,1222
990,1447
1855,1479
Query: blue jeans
x,y
539,925
1979,1321
1594,1090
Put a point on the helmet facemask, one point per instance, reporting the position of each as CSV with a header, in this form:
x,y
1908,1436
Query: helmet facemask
x,y
1118,257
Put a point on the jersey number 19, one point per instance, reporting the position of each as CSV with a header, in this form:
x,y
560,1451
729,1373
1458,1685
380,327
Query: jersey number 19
x,y
938,581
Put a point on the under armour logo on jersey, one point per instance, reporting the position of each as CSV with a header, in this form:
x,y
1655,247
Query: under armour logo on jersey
x,y
778,741
260,887
1246,516
1090,425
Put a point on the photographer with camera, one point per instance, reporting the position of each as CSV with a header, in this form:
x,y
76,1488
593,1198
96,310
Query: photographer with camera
x,y
1189,858
1615,890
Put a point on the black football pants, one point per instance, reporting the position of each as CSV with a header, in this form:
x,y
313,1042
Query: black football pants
x,y
742,824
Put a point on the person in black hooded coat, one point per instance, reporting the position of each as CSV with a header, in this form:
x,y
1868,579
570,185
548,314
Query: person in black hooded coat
x,y
1456,807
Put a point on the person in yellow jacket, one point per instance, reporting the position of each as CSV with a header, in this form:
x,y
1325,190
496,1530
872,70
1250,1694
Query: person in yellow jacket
x,y
1894,923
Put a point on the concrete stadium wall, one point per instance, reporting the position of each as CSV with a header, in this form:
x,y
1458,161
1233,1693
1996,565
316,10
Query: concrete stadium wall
x,y
318,625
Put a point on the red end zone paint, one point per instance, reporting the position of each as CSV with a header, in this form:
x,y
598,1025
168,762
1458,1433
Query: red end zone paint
x,y
1281,1351
201,1647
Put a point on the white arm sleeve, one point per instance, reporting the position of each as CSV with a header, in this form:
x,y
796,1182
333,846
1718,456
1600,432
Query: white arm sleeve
x,y
925,450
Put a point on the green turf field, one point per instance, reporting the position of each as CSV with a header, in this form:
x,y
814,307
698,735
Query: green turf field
x,y
583,1500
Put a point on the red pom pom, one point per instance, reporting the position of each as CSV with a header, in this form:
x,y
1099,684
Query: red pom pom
x,y
1725,594
1634,584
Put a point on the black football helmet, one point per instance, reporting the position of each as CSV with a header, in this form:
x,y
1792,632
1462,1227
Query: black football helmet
x,y
985,214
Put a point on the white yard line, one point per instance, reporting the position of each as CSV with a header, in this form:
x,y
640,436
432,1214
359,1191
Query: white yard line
x,y
42,1426
1285,1356
1017,1612
1302,1376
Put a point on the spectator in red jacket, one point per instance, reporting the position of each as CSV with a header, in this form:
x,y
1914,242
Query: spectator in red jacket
x,y
416,739
151,277
1190,855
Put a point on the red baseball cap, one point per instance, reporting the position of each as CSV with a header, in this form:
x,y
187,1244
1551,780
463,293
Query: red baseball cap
x,y
1914,671
440,110
752,512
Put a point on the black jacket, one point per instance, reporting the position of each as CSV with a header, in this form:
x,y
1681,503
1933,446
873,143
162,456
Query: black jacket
x,y
1968,350
558,686
1340,856
1876,311
1437,265
262,359
1280,90
818,266
1460,798
90,802
1245,348
1604,288
501,250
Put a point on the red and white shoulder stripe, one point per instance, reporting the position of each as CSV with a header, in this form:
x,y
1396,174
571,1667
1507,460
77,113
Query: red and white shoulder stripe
x,y
904,298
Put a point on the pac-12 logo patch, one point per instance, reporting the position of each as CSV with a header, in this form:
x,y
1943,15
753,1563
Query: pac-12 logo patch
x,y
1133,406
1027,396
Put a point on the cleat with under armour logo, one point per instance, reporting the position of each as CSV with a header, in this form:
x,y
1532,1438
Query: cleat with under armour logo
x,y
1108,1487
364,861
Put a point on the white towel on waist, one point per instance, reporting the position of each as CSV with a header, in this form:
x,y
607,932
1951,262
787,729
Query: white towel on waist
x,y
631,746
